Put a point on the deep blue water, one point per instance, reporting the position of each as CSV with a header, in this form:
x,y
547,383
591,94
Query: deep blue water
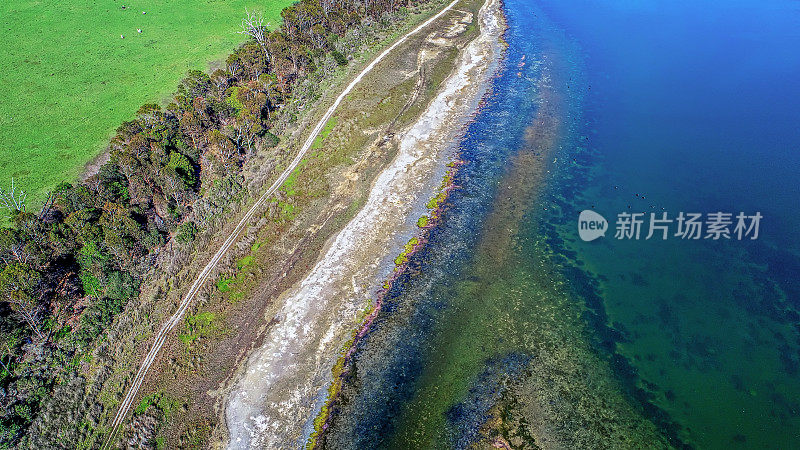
x,y
696,107
667,107
698,100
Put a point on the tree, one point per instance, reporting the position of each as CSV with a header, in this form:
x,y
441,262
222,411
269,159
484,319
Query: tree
x,y
319,36
219,80
196,84
183,167
251,102
47,206
247,126
149,115
12,201
19,285
174,186
253,26
252,60
121,233
268,84
13,247
6,351
34,234
233,65
193,127
187,232
223,148
120,286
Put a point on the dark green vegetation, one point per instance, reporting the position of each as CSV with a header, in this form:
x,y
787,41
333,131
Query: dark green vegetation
x,y
68,269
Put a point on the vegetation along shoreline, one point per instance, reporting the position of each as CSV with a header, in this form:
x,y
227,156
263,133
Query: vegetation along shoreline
x,y
126,237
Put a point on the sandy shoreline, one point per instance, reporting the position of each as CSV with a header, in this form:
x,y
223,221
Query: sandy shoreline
x,y
274,401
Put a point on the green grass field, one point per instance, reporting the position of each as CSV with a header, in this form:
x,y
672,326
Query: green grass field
x,y
67,78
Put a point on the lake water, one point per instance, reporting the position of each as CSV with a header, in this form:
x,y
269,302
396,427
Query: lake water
x,y
511,329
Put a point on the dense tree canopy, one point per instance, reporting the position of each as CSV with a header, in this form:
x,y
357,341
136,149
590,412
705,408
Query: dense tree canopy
x,y
65,271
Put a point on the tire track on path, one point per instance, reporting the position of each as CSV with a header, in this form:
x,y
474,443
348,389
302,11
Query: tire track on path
x,y
173,321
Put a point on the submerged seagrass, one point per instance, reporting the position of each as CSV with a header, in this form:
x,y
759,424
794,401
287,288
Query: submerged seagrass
x,y
481,342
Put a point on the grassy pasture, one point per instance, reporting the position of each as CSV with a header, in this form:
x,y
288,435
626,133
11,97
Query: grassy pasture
x,y
67,78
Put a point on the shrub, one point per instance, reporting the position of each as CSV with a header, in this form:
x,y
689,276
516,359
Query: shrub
x,y
270,140
339,57
120,286
186,232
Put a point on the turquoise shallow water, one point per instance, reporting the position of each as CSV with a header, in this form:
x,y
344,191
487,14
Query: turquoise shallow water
x,y
510,329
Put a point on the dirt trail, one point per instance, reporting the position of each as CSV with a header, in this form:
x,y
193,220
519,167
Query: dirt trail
x,y
170,324
284,381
